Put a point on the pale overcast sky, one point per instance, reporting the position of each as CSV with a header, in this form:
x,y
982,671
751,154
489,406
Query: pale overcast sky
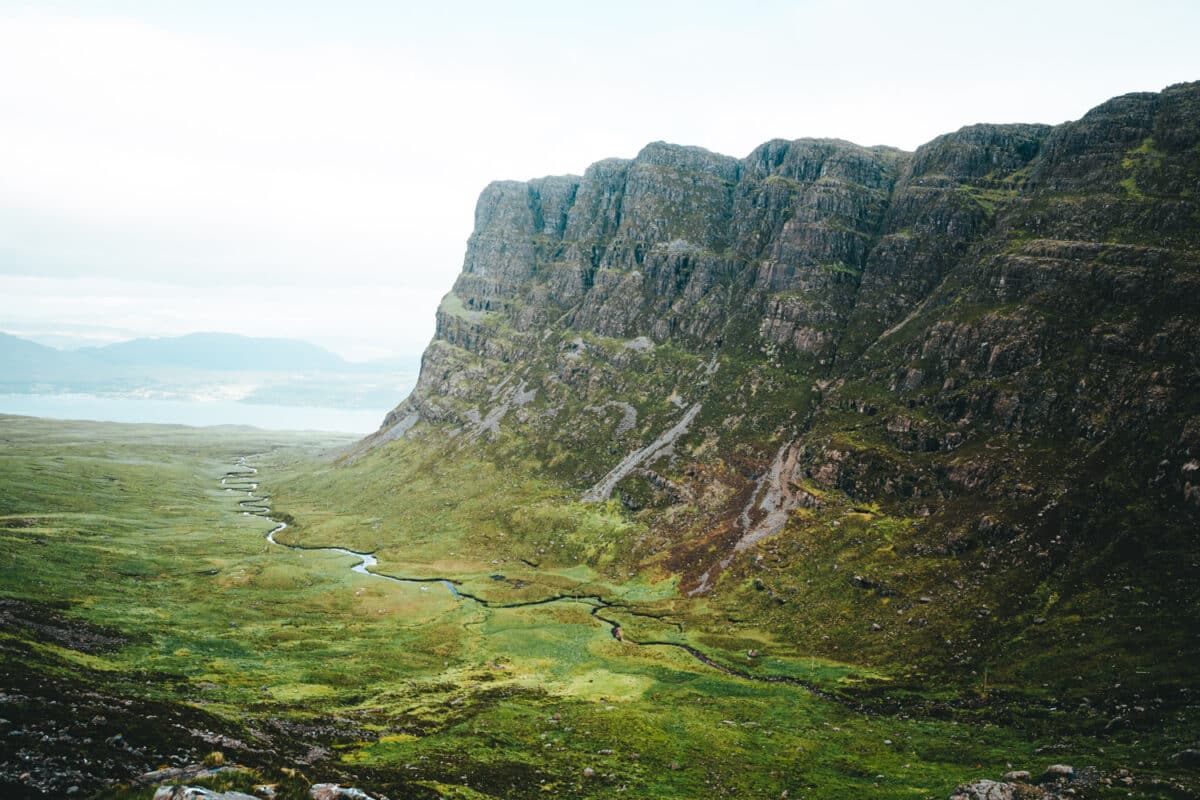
x,y
309,169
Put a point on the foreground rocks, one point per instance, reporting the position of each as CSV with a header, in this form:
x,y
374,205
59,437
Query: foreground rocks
x,y
179,775
195,793
318,791
984,790
1017,785
1055,782
69,733
332,791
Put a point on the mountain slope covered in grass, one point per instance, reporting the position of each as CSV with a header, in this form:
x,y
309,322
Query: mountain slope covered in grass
x,y
936,412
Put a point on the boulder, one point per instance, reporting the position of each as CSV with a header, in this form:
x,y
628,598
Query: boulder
x,y
1057,772
179,775
196,793
333,791
985,790
1188,756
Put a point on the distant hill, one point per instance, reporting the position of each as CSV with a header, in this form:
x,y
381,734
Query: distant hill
x,y
204,365
14,350
220,351
28,364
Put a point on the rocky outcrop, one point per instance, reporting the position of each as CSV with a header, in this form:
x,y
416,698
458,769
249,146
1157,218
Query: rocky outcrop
x,y
811,242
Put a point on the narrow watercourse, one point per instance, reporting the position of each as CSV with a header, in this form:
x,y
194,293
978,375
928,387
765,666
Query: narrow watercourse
x,y
242,479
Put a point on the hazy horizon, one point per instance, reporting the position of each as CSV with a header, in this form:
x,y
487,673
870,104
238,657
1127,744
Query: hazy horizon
x,y
69,343
201,379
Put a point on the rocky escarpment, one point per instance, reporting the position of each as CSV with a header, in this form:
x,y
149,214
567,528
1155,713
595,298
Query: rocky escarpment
x,y
969,371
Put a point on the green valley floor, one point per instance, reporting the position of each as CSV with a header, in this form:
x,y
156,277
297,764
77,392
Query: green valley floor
x,y
147,621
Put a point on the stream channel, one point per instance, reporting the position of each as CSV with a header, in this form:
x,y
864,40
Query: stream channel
x,y
242,479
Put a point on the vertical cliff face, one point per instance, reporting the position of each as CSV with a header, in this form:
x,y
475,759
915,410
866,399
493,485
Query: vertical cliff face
x,y
807,242
986,347
642,247
674,247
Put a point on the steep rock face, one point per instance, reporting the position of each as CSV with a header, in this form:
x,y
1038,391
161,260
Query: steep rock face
x,y
991,342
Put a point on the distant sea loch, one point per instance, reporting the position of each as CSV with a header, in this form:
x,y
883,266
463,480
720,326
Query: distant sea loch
x,y
191,412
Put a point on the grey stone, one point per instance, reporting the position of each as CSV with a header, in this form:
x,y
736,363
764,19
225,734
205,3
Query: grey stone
x,y
985,790
333,791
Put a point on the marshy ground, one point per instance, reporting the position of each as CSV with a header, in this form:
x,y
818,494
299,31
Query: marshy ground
x,y
147,621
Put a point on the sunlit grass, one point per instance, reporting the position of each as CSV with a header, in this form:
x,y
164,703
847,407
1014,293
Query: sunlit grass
x,y
129,527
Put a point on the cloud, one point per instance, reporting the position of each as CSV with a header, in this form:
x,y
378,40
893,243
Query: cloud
x,y
191,157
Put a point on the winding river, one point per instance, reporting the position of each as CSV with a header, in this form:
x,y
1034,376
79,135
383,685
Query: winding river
x,y
242,479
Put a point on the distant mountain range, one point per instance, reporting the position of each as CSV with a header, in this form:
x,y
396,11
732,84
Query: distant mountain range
x,y
221,352
201,365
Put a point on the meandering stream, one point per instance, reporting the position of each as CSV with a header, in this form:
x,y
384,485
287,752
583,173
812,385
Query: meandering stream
x,y
242,479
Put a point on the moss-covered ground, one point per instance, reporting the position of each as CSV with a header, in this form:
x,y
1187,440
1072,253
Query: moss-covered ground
x,y
306,671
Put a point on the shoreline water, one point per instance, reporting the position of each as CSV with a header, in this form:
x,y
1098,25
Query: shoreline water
x,y
198,413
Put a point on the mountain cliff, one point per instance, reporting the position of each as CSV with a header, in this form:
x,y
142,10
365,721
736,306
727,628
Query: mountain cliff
x,y
918,406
